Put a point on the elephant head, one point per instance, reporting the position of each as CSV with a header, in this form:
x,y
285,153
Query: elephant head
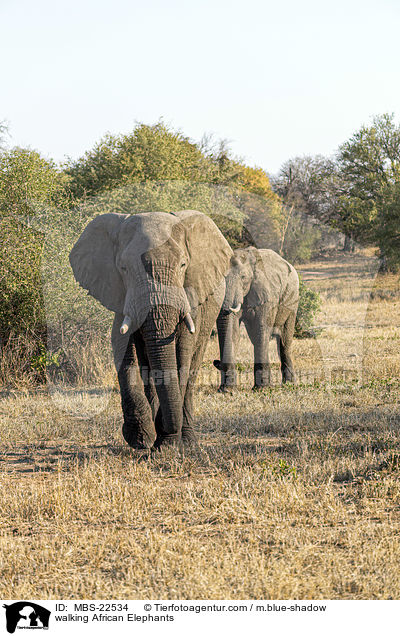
x,y
153,270
241,276
246,283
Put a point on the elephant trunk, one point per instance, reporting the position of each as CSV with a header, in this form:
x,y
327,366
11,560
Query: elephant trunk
x,y
138,427
161,353
141,303
233,300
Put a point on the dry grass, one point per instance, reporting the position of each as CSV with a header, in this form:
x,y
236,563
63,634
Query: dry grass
x,y
84,361
295,492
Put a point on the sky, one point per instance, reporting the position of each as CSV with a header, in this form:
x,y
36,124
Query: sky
x,y
275,79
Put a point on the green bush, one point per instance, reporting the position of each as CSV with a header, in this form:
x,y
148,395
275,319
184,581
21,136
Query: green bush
x,y
44,361
309,306
21,308
29,186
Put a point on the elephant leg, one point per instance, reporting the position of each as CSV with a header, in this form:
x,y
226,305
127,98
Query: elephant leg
x,y
189,436
138,427
189,359
159,424
236,337
285,345
207,314
188,430
227,326
259,328
262,367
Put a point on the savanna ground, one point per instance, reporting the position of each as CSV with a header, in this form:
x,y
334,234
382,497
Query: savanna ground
x,y
295,492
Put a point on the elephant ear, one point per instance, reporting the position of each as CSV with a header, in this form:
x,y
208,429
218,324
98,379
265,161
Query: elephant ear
x,y
267,282
209,256
93,261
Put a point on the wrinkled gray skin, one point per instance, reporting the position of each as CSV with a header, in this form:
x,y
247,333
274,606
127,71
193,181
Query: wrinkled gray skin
x,y
163,276
262,291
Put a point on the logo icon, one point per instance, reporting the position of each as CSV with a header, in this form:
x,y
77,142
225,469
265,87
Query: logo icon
x,y
26,615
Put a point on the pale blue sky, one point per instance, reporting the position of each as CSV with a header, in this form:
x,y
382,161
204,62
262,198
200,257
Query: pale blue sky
x,y
277,79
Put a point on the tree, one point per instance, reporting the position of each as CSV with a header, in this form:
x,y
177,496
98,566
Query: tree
x,y
261,207
29,184
306,186
368,169
350,192
172,173
388,231
149,153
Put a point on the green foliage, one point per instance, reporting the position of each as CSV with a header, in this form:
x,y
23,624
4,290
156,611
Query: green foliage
x,y
44,360
309,306
155,168
369,166
261,208
29,185
149,153
283,470
280,469
234,229
388,230
169,196
354,192
21,307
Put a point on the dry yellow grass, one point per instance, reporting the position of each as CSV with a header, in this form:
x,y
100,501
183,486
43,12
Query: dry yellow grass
x,y
295,492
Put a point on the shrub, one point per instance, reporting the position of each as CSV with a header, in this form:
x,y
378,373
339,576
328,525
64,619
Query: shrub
x,y
21,308
309,306
29,185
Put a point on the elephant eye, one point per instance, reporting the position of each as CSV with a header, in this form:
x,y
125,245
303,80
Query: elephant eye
x,y
183,265
123,268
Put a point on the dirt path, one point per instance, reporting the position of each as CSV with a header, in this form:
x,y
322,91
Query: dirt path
x,y
340,265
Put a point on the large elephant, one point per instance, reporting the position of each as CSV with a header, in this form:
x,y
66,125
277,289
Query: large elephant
x,y
262,291
163,275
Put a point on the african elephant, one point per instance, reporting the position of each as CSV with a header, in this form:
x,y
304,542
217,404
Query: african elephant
x,y
262,291
163,275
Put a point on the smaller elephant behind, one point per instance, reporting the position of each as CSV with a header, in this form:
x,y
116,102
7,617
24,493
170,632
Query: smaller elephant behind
x,y
262,291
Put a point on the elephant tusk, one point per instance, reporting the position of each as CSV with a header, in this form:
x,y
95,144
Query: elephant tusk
x,y
188,320
235,310
125,325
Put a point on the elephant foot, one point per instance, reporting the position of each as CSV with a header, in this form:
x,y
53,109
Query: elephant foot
x,y
260,387
189,438
228,376
262,375
289,376
137,439
227,388
163,441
